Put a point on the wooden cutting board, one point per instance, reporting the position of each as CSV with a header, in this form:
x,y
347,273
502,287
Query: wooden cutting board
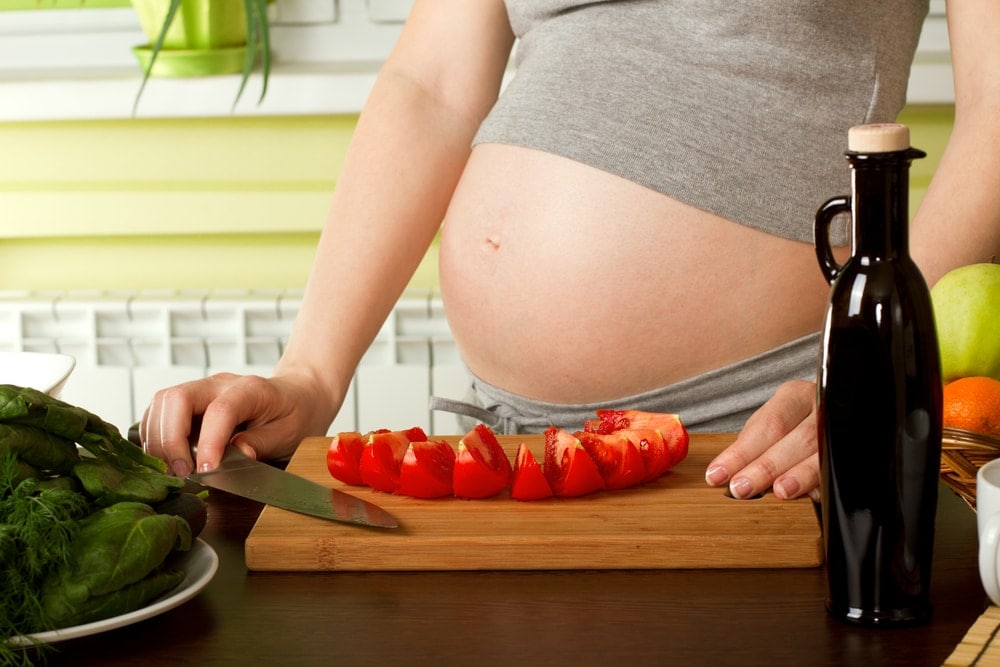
x,y
676,522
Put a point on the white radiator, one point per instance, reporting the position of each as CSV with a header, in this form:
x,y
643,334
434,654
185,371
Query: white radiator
x,y
129,345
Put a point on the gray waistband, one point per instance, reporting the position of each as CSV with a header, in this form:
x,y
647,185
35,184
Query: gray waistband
x,y
719,400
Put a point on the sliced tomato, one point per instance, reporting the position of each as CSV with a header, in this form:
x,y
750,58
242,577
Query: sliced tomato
x,y
529,481
609,421
670,427
427,470
383,456
482,468
617,458
568,468
604,423
414,434
343,458
677,440
656,457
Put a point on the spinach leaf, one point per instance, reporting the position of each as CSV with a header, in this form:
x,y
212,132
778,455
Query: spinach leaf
x,y
30,407
40,449
116,548
108,484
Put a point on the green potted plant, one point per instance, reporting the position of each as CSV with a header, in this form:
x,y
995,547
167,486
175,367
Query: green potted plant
x,y
203,37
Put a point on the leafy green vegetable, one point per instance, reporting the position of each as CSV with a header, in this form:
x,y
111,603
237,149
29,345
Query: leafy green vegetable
x,y
108,484
37,527
116,550
29,407
21,471
39,449
65,483
192,507
122,601
80,539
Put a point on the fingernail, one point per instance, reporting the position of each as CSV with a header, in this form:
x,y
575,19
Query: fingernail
x,y
716,475
181,467
787,488
740,487
204,467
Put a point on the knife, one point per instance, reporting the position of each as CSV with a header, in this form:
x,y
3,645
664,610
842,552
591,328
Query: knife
x,y
248,478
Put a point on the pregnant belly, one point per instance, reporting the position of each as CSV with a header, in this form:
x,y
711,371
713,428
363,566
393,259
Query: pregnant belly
x,y
566,284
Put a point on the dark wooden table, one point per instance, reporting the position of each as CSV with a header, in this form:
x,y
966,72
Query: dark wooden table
x,y
683,617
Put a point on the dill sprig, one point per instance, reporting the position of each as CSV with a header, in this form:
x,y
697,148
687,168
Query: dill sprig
x,y
37,527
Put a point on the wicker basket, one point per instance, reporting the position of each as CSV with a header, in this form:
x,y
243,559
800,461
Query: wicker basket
x,y
963,453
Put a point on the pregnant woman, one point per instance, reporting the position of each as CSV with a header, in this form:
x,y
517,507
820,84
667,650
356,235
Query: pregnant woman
x,y
627,223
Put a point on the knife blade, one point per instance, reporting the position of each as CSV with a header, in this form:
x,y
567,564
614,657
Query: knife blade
x,y
248,478
243,476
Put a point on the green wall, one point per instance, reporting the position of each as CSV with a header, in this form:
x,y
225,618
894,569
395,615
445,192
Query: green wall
x,y
222,203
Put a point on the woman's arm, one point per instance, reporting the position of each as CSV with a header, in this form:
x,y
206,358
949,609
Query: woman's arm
x,y
408,150
958,221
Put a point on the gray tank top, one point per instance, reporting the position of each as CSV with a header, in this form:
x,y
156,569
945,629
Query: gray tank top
x,y
737,107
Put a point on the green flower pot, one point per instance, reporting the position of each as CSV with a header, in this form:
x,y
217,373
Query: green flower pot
x,y
206,37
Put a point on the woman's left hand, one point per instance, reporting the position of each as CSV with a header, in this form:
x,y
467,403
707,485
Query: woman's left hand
x,y
777,448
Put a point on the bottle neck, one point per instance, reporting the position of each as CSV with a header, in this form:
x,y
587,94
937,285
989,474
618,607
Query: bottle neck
x,y
880,187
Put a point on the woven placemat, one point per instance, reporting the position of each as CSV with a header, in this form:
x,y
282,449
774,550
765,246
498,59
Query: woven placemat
x,y
981,644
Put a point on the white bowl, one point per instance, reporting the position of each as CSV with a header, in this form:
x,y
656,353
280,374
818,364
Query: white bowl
x,y
46,372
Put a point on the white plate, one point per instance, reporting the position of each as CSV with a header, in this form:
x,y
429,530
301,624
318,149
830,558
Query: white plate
x,y
199,565
39,370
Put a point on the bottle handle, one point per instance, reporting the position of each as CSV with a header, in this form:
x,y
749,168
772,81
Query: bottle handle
x,y
821,235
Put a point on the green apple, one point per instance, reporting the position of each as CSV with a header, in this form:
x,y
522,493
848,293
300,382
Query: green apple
x,y
966,304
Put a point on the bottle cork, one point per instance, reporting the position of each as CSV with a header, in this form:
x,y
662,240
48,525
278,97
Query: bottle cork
x,y
878,138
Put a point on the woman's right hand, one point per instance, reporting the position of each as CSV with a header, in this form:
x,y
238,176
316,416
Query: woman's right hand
x,y
264,418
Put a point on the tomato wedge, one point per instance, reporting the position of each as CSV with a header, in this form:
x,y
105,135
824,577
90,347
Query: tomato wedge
x,y
605,422
617,458
427,470
609,421
656,457
568,468
529,481
482,468
343,458
670,427
677,440
383,456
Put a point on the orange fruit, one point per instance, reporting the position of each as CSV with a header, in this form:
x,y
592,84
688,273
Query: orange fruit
x,y
973,404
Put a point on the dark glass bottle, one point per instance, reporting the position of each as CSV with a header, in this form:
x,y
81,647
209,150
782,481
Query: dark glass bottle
x,y
879,395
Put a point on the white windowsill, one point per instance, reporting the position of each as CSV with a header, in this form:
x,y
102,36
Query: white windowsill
x,y
111,93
